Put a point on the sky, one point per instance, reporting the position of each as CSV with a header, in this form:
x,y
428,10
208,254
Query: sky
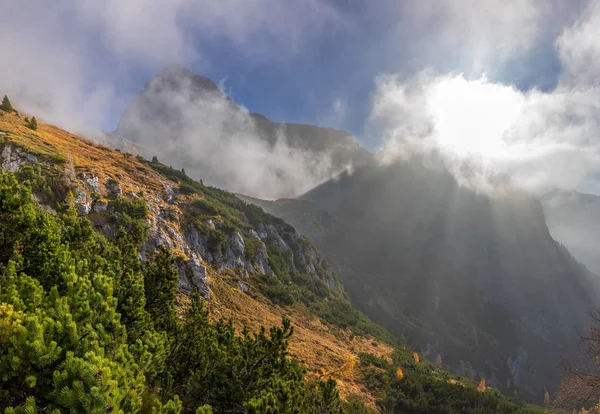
x,y
509,84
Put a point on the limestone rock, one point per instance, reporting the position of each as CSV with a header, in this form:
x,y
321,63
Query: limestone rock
x,y
84,206
14,158
262,260
84,209
92,182
243,287
234,257
192,276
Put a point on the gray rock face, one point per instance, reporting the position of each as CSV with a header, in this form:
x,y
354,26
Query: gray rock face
x,y
161,233
91,181
14,158
171,196
84,206
304,257
192,276
168,228
262,260
84,209
234,257
198,242
243,287
252,234
518,367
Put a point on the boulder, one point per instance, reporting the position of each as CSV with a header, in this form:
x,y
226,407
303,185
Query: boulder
x,y
14,158
91,181
84,206
192,277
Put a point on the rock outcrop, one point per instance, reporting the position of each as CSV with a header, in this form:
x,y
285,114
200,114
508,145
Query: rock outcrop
x,y
12,158
243,251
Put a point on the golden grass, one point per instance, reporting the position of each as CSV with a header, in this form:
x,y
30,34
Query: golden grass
x,y
87,157
323,349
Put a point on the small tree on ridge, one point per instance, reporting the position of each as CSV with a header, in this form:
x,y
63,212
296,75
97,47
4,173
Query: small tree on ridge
x,y
6,105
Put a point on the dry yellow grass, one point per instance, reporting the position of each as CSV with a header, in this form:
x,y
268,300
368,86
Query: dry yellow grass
x,y
324,350
87,157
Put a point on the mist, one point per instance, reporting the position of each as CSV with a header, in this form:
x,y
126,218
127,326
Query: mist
x,y
188,123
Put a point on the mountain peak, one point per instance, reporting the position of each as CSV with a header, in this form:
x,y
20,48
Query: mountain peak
x,y
178,78
194,125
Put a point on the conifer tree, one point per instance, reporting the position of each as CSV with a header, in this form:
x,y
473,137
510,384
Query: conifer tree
x,y
6,105
32,124
160,290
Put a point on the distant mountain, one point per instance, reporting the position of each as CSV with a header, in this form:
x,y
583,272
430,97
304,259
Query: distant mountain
x,y
188,122
574,220
475,278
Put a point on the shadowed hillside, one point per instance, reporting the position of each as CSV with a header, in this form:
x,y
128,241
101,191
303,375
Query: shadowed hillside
x,y
472,277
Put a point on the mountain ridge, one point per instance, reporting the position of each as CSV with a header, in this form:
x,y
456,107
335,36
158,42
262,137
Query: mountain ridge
x,y
572,219
123,198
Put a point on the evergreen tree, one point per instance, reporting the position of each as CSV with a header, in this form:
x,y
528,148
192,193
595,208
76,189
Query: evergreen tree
x,y
160,284
63,345
32,124
6,105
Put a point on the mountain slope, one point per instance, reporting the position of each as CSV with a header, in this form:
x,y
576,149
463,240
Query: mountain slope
x,y
247,264
472,277
191,124
573,220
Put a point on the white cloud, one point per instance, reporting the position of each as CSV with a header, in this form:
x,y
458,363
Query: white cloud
x,y
66,56
579,49
339,108
539,139
482,31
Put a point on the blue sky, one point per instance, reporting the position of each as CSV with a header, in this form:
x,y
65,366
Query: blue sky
x,y
390,71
